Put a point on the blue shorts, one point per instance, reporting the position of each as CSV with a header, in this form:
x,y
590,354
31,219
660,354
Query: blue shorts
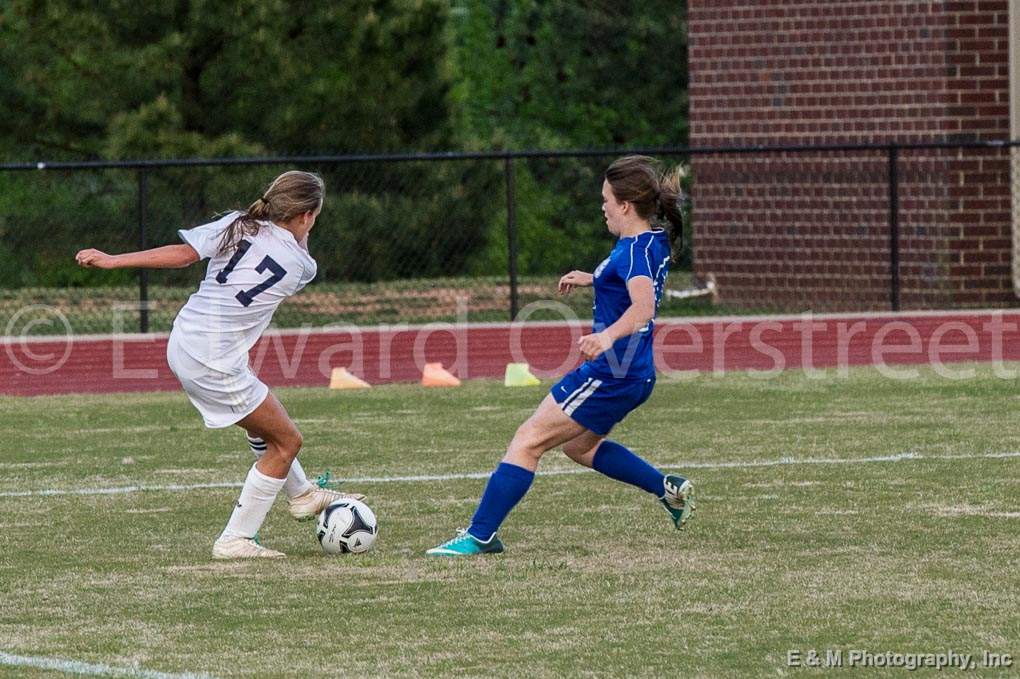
x,y
599,403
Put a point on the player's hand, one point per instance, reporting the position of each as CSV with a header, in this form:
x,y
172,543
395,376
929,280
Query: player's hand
x,y
592,346
94,259
574,279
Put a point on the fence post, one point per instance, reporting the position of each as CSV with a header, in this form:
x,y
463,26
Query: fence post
x,y
511,233
894,228
143,274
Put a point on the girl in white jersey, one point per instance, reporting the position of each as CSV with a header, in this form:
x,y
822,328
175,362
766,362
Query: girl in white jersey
x,y
257,259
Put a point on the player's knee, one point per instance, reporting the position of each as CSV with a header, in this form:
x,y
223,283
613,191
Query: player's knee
x,y
573,449
295,441
289,444
574,455
528,440
581,450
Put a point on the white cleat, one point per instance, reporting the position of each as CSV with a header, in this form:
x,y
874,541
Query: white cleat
x,y
309,504
242,548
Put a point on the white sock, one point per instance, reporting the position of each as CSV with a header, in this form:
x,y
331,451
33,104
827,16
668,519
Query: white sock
x,y
256,499
297,482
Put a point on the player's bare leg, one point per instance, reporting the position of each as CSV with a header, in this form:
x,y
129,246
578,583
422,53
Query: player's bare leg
x,y
305,498
546,429
270,422
581,449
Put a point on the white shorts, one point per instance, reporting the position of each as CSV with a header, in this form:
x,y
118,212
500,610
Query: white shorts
x,y
223,395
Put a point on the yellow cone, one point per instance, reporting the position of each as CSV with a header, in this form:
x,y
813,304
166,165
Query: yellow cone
x,y
518,375
341,378
435,375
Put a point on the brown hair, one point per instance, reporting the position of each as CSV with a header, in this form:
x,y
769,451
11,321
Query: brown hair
x,y
653,191
291,194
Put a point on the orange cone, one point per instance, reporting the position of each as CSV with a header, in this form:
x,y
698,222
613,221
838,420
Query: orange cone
x,y
435,375
341,378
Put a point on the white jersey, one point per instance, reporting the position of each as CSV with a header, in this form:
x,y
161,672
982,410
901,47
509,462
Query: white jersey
x,y
241,290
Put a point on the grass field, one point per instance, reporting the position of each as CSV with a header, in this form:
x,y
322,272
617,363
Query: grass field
x,y
814,531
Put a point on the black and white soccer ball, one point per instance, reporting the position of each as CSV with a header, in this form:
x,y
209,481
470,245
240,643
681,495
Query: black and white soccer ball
x,y
346,526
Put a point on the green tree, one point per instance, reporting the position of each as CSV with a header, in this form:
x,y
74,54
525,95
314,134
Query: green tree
x,y
570,73
122,78
531,74
206,78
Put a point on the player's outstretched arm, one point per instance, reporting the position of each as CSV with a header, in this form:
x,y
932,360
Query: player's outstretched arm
x,y
166,257
575,279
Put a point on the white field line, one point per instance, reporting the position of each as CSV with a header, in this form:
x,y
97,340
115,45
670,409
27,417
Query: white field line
x,y
81,668
779,462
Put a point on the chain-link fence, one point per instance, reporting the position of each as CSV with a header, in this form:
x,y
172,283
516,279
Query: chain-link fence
x,y
856,228
479,237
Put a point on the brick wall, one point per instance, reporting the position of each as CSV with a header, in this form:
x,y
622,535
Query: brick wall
x,y
811,230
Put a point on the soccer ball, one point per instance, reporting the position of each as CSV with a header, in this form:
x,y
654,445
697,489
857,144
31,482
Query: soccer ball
x,y
346,526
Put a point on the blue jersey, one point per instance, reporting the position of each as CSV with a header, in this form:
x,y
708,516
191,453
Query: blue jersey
x,y
646,254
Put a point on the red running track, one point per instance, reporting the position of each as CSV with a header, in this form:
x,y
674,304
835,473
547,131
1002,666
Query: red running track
x,y
380,355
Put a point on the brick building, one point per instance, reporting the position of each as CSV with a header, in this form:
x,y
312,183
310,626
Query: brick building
x,y
812,230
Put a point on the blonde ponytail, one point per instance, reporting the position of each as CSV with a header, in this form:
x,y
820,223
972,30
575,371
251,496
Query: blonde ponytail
x,y
291,194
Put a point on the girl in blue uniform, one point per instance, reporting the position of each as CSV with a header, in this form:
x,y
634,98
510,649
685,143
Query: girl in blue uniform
x,y
619,372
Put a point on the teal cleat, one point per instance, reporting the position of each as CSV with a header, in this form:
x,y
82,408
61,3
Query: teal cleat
x,y
466,544
678,499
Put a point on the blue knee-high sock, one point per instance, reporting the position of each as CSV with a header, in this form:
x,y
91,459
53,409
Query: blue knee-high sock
x,y
505,488
617,462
